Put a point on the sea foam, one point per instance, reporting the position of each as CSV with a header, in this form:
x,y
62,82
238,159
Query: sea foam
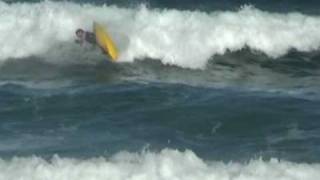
x,y
183,38
167,164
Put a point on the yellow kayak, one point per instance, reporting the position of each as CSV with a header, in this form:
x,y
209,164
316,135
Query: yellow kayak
x,y
105,42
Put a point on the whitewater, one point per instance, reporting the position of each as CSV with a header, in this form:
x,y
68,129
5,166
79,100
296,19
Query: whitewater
x,y
188,39
195,95
165,165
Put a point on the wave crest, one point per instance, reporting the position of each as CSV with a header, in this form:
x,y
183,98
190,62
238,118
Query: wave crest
x,y
184,38
168,164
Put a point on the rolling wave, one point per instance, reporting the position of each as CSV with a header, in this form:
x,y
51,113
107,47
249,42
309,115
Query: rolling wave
x,y
187,39
168,164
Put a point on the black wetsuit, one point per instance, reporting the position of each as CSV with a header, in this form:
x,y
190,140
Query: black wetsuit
x,y
90,37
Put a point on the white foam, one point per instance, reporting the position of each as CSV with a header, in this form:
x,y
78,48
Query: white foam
x,y
183,38
166,165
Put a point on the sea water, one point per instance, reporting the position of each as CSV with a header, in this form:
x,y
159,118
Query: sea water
x,y
216,90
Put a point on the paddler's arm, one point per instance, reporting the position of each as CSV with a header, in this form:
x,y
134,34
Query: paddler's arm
x,y
79,41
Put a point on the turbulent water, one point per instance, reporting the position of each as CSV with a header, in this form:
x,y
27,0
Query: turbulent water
x,y
201,90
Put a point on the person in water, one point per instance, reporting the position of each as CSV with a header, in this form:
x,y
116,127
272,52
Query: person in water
x,y
89,37
85,36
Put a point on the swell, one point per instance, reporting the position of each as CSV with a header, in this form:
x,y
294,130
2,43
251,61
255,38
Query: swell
x,y
295,74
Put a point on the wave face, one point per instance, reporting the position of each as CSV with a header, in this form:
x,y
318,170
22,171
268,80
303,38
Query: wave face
x,y
187,39
168,164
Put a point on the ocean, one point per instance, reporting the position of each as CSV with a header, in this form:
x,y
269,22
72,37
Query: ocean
x,y
202,90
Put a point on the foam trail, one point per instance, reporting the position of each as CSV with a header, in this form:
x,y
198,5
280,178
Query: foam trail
x,y
184,38
168,164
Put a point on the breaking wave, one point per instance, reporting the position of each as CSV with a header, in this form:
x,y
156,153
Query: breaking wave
x,y
167,164
183,38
